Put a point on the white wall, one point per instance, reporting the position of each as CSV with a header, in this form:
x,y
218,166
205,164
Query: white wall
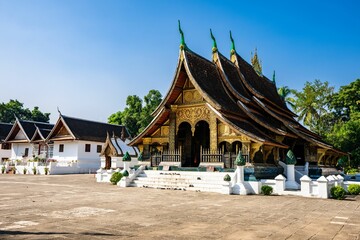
x,y
75,151
4,153
18,149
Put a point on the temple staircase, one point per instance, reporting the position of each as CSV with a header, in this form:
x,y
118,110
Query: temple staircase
x,y
181,180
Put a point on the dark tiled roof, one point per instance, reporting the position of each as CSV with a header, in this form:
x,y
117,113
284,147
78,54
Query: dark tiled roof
x,y
93,131
233,76
4,130
207,77
29,127
261,84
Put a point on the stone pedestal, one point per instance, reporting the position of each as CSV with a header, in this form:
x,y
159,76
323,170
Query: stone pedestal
x,y
290,181
323,187
280,184
305,185
239,187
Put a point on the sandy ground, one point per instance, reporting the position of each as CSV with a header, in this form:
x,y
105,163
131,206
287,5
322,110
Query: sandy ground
x,y
76,207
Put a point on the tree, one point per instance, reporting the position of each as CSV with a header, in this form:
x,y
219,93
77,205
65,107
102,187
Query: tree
x,y
312,105
136,116
346,132
285,93
347,100
13,108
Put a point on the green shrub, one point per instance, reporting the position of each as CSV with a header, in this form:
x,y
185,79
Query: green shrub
x,y
351,171
227,178
3,169
266,190
24,170
46,170
116,177
354,189
34,170
338,192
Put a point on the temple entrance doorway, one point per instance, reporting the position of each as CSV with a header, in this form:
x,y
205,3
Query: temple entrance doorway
x,y
184,141
201,141
107,162
190,144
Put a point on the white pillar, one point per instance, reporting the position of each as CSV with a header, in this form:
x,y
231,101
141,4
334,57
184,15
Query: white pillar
x,y
239,187
305,185
323,187
290,173
306,168
280,184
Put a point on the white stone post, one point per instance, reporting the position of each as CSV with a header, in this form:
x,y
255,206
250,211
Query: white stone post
x,y
290,173
305,186
323,187
306,168
340,180
280,184
239,186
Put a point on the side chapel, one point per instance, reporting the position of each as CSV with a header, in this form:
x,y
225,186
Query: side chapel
x,y
214,109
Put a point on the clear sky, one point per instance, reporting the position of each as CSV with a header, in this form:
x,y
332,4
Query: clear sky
x,y
86,57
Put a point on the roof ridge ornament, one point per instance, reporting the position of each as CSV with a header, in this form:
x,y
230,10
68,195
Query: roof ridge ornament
x,y
182,41
214,48
273,78
256,63
232,51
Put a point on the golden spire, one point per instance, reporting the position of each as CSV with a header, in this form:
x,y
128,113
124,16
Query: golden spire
x,y
256,63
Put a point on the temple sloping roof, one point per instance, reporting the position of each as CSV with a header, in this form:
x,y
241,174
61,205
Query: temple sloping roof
x,y
40,134
27,130
117,147
261,86
81,129
4,130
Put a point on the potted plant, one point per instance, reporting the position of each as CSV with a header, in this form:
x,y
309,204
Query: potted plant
x,y
24,170
46,169
34,170
3,169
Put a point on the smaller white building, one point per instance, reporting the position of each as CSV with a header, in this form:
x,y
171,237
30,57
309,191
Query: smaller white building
x,y
77,143
5,148
20,137
114,150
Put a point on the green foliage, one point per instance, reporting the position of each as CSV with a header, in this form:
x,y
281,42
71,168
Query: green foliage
x,y
266,190
227,178
312,106
46,169
136,116
34,170
354,189
13,108
351,171
3,169
24,170
347,100
338,192
116,177
285,93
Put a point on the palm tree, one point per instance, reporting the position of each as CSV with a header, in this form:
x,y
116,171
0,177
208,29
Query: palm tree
x,y
285,93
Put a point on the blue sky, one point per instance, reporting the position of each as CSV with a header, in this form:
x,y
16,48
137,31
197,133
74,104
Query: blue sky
x,y
86,57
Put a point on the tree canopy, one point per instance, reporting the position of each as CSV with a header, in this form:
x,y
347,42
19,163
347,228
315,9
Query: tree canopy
x,y
13,108
333,115
137,113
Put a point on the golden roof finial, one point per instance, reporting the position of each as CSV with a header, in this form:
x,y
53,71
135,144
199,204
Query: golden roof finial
x,y
256,63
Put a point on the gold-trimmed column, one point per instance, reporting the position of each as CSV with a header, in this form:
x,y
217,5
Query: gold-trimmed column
x,y
213,132
172,128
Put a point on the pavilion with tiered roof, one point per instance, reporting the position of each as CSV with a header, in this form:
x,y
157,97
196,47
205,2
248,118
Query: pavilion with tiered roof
x,y
214,109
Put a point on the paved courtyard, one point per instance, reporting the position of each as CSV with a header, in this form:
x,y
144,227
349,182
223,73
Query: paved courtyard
x,y
76,207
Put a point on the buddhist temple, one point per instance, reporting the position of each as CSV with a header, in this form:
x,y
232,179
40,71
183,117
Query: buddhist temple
x,y
214,109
